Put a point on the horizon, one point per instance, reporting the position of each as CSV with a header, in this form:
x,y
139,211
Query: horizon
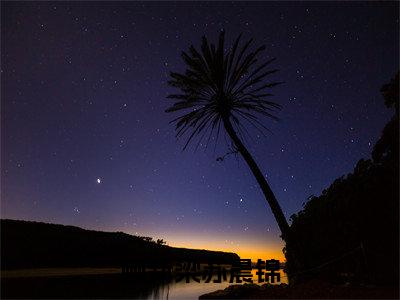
x,y
183,245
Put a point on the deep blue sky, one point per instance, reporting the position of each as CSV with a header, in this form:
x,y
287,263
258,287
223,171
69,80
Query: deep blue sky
x,y
83,98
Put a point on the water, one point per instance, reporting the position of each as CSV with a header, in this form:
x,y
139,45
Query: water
x,y
193,289
105,284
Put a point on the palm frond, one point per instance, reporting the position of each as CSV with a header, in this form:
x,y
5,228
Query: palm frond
x,y
220,84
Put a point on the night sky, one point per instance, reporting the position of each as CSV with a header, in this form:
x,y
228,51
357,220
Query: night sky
x,y
86,141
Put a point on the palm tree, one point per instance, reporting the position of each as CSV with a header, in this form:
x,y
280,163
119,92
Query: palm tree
x,y
225,87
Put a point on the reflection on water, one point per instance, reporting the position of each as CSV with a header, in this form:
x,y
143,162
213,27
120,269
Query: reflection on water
x,y
110,286
193,289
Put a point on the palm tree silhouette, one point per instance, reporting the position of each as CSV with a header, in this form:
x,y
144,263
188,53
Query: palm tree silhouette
x,y
225,87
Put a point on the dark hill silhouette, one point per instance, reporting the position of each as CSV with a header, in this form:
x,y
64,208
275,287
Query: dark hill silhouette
x,y
26,244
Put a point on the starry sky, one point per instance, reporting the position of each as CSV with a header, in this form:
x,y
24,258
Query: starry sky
x,y
86,141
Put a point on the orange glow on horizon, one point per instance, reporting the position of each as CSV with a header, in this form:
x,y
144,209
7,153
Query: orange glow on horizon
x,y
246,249
245,245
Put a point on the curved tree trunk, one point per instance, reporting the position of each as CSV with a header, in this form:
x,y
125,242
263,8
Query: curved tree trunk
x,y
269,195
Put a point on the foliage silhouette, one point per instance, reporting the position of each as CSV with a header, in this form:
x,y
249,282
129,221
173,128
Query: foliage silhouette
x,y
357,212
385,147
226,88
161,242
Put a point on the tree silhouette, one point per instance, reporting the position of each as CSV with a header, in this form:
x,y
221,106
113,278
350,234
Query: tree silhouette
x,y
385,146
161,242
228,88
351,231
390,93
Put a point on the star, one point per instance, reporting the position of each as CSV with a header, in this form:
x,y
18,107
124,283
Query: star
x,y
98,180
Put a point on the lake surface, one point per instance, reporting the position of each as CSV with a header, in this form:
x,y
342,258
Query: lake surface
x,y
192,290
105,283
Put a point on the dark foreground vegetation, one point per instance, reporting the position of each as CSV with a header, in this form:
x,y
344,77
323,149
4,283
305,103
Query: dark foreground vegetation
x,y
39,245
350,233
345,243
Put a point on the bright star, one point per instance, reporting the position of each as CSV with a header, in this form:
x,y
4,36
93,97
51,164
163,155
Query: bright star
x,y
98,180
